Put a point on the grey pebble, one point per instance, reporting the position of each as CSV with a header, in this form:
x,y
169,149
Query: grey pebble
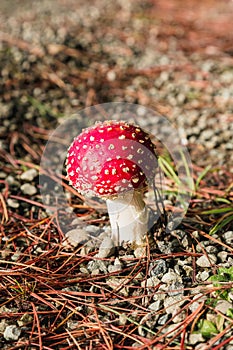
x,y
204,261
13,203
77,236
28,189
106,249
2,175
163,319
172,304
171,329
140,252
97,265
228,236
157,268
222,256
150,282
92,228
12,332
179,317
29,175
211,249
11,180
195,338
223,306
170,277
202,276
155,306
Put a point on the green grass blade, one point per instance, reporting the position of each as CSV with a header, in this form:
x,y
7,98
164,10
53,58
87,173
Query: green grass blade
x,y
168,170
218,210
221,224
202,175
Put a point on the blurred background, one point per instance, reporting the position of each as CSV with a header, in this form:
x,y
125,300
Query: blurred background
x,y
58,57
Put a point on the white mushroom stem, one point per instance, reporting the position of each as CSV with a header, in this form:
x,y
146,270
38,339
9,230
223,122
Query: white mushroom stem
x,y
128,216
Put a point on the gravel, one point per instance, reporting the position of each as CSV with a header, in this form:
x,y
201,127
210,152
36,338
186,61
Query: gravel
x,y
87,56
29,175
12,333
206,261
28,189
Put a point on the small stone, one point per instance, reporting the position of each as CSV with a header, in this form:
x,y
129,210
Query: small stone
x,y
172,304
84,270
157,268
205,261
12,332
170,277
155,306
2,175
28,189
77,236
107,248
179,317
99,265
15,256
197,299
171,329
211,249
26,318
163,319
119,283
222,256
223,306
161,293
111,75
202,275
92,229
29,175
176,288
140,252
13,203
3,325
228,236
123,319
11,180
150,282
207,134
116,267
196,338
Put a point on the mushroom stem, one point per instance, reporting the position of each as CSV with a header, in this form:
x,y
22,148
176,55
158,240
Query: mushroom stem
x,y
128,216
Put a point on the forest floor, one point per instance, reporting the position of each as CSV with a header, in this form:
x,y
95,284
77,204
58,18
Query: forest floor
x,y
58,58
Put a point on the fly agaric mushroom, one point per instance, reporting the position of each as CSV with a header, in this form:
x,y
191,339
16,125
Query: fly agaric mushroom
x,y
115,160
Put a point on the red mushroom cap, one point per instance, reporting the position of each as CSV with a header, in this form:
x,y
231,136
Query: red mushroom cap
x,y
111,157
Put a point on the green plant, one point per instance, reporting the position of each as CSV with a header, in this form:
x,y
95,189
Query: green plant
x,y
225,218
224,280
207,328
